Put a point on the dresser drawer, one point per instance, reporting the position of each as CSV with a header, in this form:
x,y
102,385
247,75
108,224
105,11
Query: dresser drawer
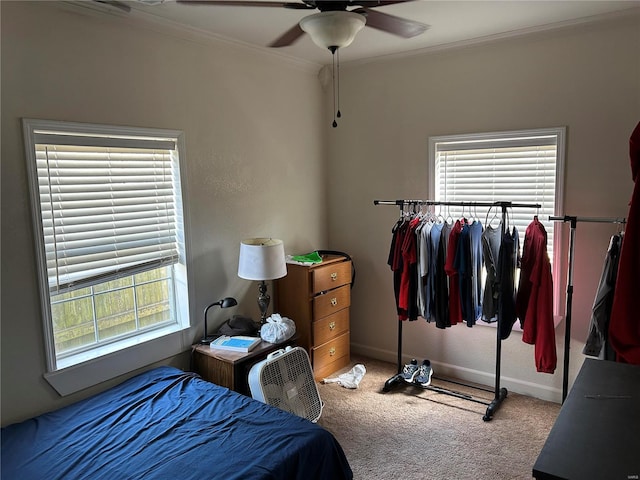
x,y
331,302
330,276
331,356
329,327
318,299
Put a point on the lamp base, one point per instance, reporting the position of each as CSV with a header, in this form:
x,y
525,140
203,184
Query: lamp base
x,y
208,340
263,302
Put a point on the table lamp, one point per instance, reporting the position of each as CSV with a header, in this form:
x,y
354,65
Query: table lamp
x,y
224,303
262,259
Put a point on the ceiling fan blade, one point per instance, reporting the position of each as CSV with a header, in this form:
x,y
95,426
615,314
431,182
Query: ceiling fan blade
x,y
288,37
242,3
375,3
114,3
392,24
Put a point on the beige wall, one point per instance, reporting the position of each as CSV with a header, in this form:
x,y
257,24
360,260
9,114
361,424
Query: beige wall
x,y
256,137
587,79
253,146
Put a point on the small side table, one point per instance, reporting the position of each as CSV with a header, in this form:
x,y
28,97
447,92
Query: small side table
x,y
231,369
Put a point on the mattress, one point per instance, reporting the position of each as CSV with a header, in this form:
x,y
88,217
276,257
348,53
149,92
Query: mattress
x,y
170,424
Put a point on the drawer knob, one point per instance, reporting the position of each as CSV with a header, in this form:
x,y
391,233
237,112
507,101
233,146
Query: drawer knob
x,y
332,326
334,301
334,276
332,351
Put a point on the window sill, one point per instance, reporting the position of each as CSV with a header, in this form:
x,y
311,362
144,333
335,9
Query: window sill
x,y
82,371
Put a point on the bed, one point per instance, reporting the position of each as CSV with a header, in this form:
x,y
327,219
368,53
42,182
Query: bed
x,y
170,424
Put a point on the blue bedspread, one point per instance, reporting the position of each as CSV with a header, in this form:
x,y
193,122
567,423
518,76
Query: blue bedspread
x,y
169,424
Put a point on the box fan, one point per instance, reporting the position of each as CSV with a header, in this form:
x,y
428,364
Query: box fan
x,y
285,380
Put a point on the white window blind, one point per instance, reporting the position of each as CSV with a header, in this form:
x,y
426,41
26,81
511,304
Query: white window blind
x,y
108,206
509,167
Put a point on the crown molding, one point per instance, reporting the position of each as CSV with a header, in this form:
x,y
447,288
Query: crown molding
x,y
138,19
631,14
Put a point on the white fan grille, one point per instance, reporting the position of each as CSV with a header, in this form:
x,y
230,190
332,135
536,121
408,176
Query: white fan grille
x,y
287,383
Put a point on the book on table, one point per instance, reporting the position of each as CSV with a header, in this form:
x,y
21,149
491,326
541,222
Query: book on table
x,y
236,343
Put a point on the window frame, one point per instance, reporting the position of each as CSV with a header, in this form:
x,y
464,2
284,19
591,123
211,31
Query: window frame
x,y
105,362
559,250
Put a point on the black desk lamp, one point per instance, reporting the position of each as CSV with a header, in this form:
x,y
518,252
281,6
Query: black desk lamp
x,y
224,303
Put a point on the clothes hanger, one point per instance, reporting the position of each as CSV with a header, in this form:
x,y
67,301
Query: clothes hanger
x,y
475,213
440,217
487,222
403,217
430,213
471,218
449,218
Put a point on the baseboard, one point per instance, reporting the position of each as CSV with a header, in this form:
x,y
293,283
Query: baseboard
x,y
515,385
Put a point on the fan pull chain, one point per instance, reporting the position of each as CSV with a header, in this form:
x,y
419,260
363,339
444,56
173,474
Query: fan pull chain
x,y
338,80
333,80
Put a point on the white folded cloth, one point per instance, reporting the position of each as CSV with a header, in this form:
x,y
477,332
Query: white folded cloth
x,y
350,379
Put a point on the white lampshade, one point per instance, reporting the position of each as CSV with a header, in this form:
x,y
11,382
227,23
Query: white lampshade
x,y
333,29
261,259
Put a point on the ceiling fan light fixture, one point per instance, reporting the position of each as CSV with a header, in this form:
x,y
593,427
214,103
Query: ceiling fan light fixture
x,y
333,29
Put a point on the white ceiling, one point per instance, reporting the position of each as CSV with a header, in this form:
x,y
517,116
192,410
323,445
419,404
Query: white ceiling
x,y
451,23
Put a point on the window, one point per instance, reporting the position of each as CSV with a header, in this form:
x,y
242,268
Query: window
x,y
110,237
518,166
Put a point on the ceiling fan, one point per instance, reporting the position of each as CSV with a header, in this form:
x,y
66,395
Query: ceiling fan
x,y
336,25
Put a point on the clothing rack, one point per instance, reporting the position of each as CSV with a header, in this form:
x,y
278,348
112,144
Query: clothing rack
x,y
500,393
573,221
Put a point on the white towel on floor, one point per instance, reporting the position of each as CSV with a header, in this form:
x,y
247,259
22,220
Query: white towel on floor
x,y
350,379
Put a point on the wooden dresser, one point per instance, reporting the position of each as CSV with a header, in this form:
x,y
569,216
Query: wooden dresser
x,y
317,298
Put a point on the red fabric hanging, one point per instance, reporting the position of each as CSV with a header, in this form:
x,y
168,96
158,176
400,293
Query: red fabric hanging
x,y
534,302
624,325
455,307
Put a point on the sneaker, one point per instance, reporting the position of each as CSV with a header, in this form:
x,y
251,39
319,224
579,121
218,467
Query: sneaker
x,y
425,371
410,371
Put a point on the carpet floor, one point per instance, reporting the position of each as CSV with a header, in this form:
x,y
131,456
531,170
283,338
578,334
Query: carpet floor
x,y
412,433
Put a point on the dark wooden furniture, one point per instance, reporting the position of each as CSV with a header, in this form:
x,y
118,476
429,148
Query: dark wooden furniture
x,y
317,298
597,433
231,369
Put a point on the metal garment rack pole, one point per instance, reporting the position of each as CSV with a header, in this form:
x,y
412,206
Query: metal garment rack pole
x,y
499,393
573,221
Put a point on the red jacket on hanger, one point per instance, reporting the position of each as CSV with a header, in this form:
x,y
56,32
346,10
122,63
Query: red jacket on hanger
x,y
624,324
534,302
